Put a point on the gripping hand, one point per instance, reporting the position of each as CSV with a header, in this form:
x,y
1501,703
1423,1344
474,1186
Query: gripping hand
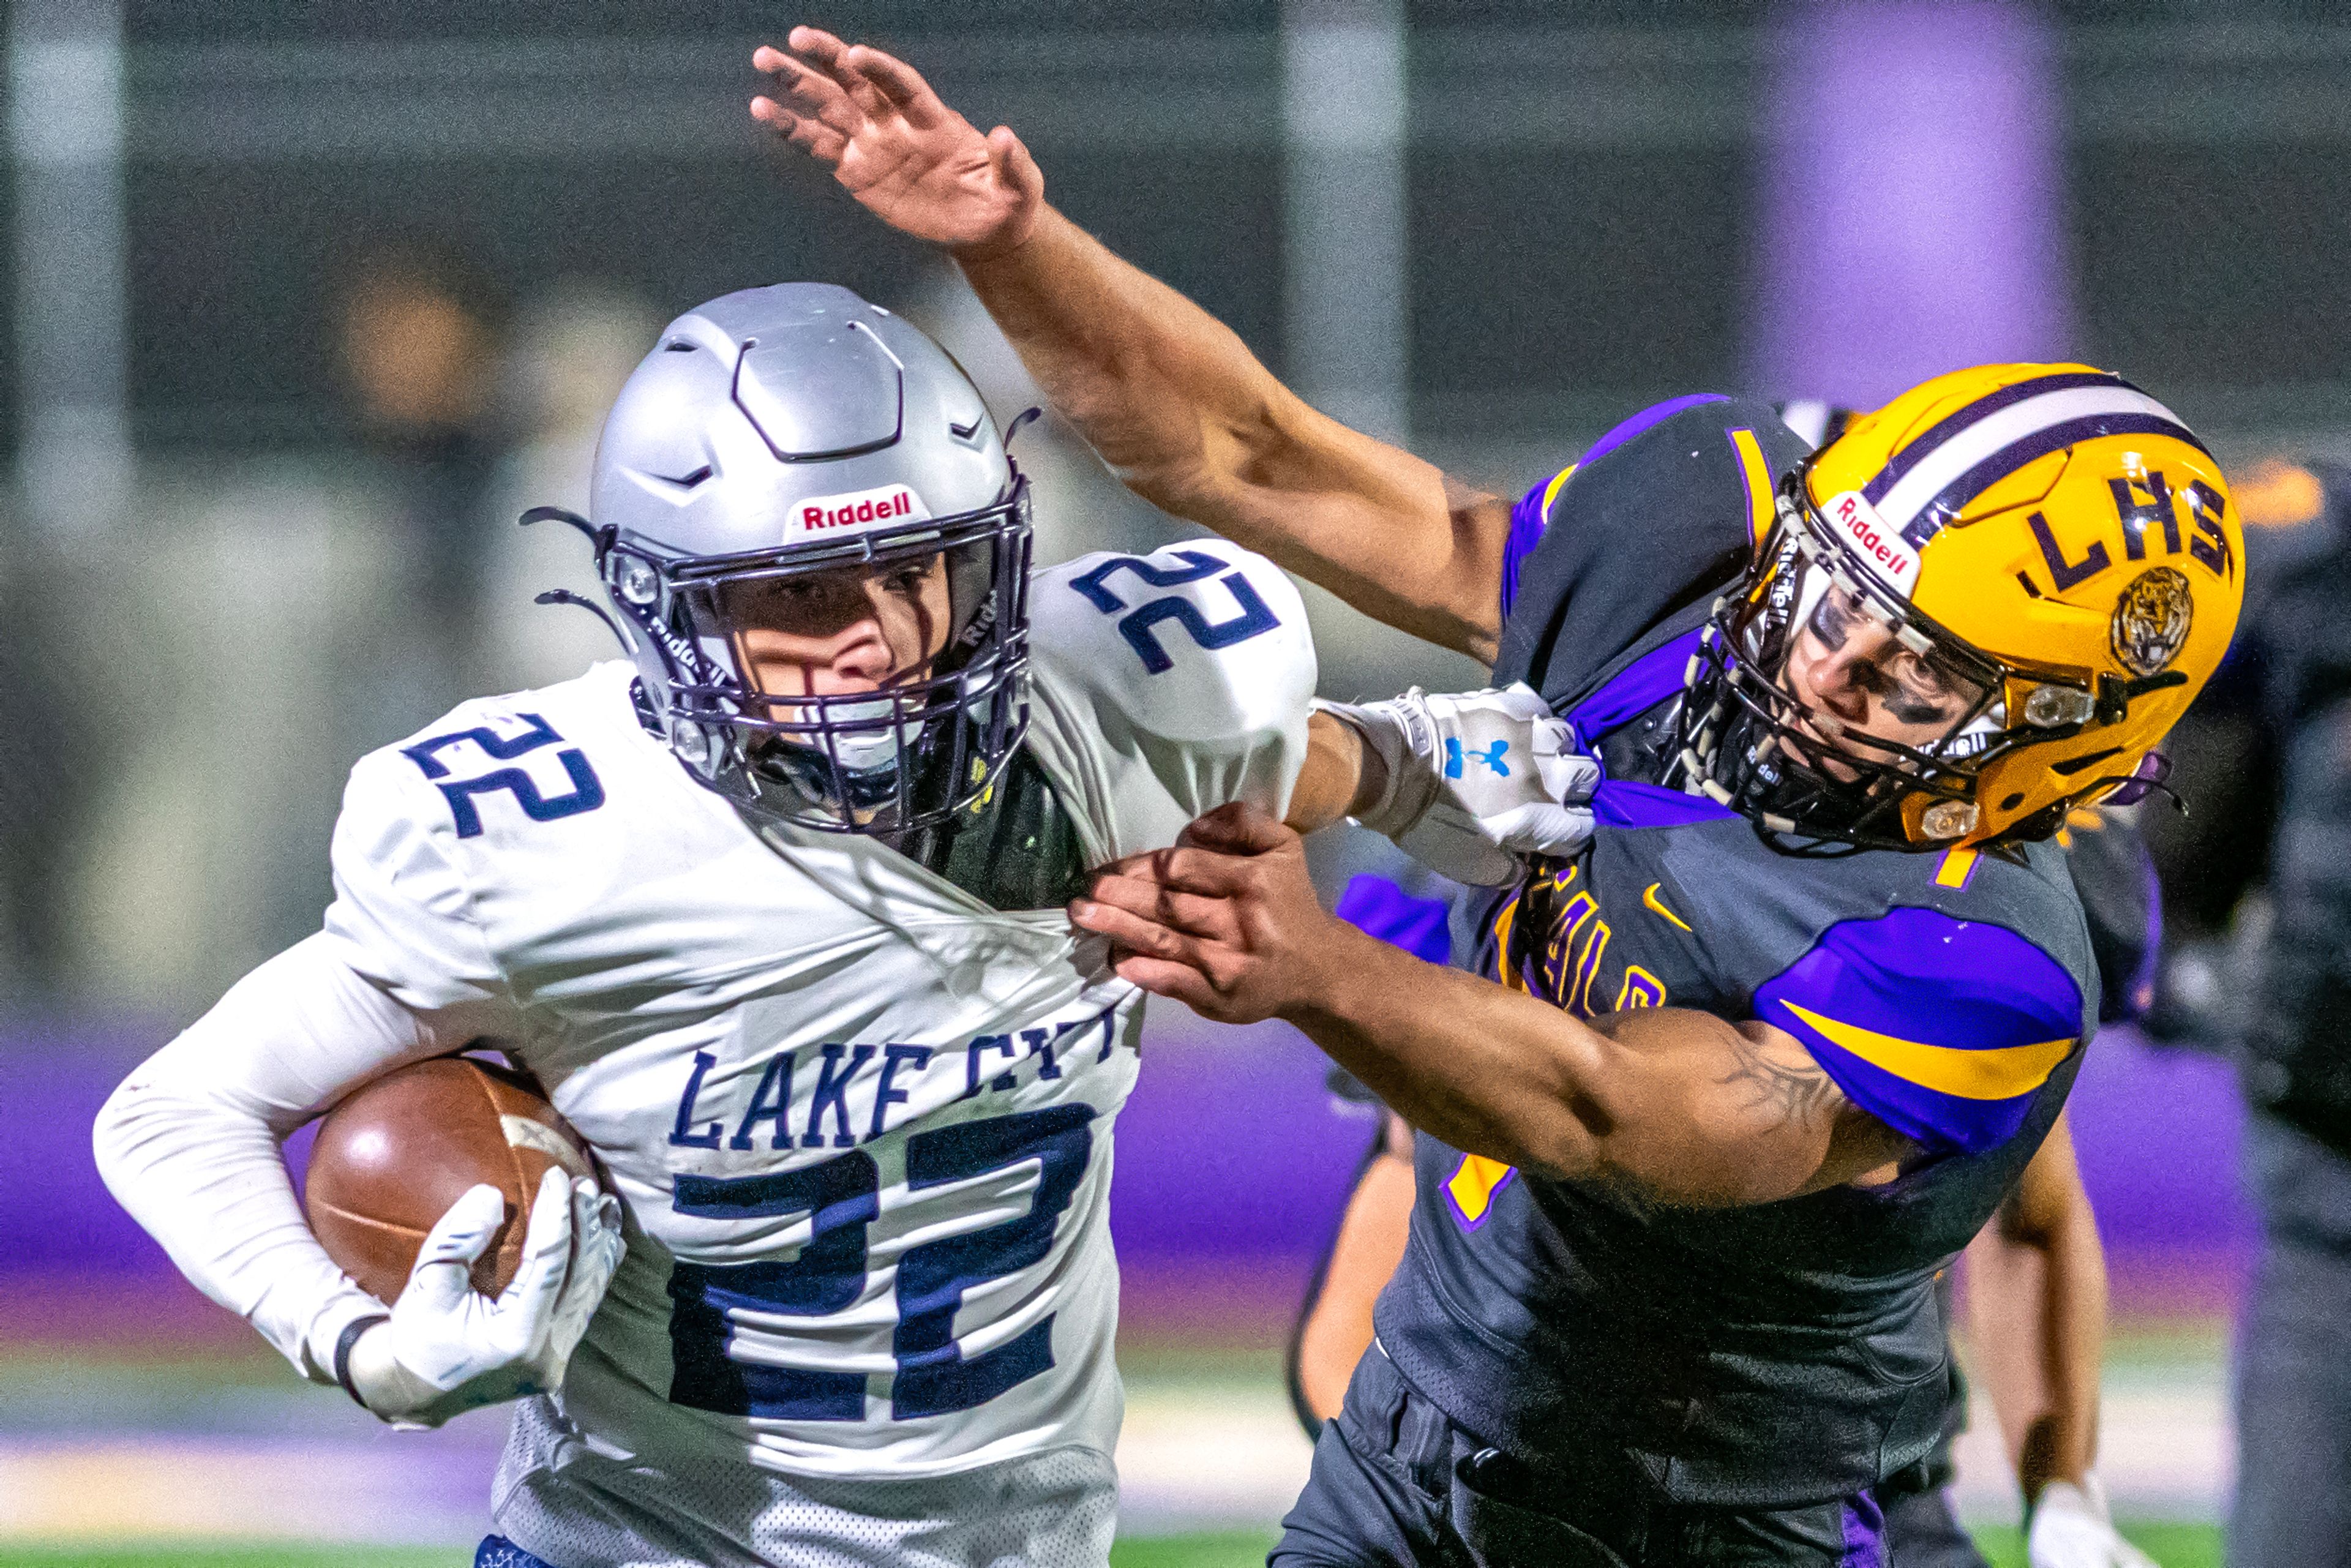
x,y
448,1348
2070,1529
1474,779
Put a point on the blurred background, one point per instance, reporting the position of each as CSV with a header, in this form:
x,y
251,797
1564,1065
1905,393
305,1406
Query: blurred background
x,y
306,303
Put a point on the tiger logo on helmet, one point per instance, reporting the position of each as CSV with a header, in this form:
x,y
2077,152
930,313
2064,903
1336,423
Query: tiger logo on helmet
x,y
2046,544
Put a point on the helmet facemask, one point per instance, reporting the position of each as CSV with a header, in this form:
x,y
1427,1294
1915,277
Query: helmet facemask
x,y
908,754
1751,743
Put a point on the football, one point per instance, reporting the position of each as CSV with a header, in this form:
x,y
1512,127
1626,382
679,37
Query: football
x,y
391,1159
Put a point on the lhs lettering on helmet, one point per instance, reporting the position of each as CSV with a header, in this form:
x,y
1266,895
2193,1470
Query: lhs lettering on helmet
x,y
859,508
1894,558
2147,507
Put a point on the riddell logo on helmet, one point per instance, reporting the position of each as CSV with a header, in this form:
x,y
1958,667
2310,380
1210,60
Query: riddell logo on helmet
x,y
1894,557
890,504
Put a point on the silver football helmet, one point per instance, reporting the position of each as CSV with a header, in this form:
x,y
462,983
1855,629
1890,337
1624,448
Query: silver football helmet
x,y
778,441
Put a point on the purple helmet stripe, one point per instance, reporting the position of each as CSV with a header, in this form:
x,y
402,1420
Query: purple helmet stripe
x,y
1916,449
1953,498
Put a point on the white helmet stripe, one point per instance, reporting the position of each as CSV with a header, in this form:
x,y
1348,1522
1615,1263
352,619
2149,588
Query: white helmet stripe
x,y
1972,446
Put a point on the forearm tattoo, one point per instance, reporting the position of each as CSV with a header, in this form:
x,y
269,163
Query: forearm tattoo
x,y
1784,1091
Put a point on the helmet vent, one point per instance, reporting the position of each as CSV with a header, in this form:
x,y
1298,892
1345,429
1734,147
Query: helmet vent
x,y
814,391
688,481
677,346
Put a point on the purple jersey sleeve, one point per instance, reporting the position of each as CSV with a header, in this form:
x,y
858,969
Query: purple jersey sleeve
x,y
1378,907
1942,1029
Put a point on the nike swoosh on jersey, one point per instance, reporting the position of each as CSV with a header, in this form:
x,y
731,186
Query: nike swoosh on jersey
x,y
1997,1074
1650,898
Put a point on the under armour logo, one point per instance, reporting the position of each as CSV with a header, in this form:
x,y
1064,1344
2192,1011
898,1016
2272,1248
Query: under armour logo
x,y
1456,758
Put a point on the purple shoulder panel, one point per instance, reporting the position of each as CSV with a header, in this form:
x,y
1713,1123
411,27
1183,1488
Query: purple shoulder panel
x,y
1378,907
1527,519
1943,1029
1629,803
1656,414
1634,689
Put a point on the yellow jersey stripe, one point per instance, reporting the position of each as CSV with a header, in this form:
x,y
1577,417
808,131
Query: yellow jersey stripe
x,y
1955,869
1473,1183
1550,491
1503,920
2000,1074
1759,508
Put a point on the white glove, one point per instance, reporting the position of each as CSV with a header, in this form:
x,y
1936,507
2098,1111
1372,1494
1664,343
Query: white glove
x,y
2070,1529
447,1348
1475,778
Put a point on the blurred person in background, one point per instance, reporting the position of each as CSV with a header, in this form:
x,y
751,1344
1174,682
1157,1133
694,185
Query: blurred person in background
x,y
1666,1297
566,357
327,596
418,339
2288,1011
47,745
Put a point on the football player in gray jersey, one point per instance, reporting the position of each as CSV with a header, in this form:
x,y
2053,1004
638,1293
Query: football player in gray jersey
x,y
1755,1063
2035,1276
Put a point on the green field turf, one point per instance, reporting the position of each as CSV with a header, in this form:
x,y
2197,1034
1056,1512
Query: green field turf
x,y
2172,1545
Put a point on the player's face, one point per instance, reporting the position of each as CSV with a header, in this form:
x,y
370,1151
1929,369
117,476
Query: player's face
x,y
842,632
1846,664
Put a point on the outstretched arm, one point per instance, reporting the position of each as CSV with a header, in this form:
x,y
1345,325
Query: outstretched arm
x,y
2037,1303
1172,398
1671,1105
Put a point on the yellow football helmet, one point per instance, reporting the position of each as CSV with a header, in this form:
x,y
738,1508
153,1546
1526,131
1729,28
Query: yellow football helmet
x,y
2048,534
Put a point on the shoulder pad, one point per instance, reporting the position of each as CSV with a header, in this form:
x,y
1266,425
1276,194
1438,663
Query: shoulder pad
x,y
1201,623
1587,571
416,813
524,758
1942,1028
402,910
1193,661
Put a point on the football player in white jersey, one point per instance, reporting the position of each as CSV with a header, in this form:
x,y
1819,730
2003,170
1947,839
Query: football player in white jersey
x,y
775,914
